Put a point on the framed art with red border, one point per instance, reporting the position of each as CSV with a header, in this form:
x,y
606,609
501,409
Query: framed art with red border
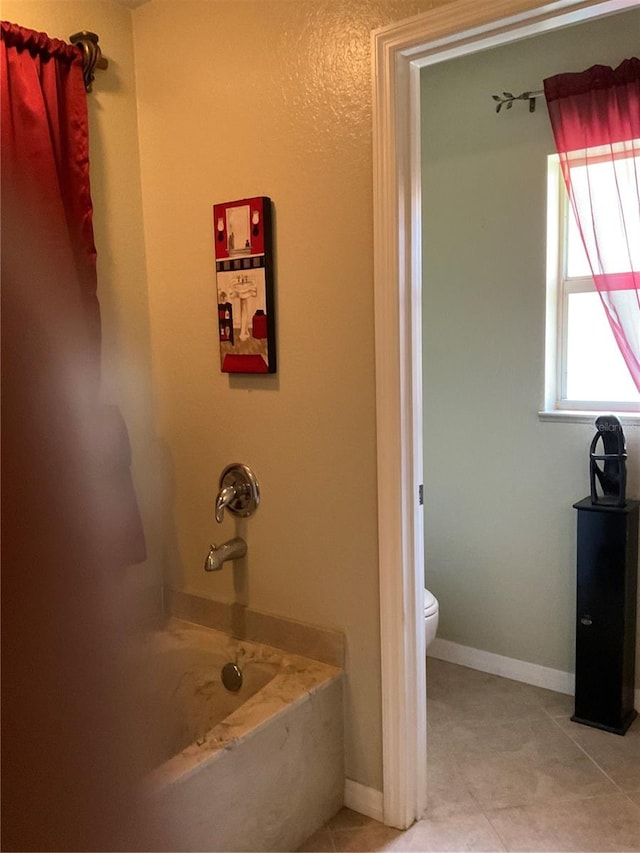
x,y
244,285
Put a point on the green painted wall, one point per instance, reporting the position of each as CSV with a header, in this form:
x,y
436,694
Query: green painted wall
x,y
499,483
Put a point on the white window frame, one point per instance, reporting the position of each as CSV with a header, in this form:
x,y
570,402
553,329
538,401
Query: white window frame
x,y
559,287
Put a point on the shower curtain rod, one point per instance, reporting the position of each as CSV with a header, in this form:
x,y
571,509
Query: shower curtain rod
x,y
92,57
508,98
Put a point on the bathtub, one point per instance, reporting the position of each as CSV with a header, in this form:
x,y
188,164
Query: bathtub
x,y
259,769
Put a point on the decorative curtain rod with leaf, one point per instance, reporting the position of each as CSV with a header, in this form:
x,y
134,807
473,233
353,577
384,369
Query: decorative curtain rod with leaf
x,y
508,98
92,57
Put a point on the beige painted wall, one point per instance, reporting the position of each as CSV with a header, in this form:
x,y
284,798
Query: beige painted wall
x,y
500,484
271,98
122,283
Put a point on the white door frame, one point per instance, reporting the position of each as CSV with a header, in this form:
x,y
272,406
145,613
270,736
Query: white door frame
x,y
399,52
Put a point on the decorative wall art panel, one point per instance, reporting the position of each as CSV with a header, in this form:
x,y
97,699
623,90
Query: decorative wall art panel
x,y
244,283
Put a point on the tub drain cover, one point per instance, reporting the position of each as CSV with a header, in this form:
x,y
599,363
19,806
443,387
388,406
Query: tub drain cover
x,y
231,677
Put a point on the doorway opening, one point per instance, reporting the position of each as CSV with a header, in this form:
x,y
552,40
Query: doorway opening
x,y
400,52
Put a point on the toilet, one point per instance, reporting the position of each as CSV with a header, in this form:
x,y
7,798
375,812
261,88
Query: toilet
x,y
431,611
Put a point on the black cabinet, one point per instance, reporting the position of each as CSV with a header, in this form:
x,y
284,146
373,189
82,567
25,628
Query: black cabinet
x,y
606,615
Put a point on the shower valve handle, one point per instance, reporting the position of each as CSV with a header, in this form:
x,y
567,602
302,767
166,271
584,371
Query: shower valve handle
x,y
239,491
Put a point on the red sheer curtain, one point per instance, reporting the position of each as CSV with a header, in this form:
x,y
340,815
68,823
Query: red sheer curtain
x,y
69,516
595,117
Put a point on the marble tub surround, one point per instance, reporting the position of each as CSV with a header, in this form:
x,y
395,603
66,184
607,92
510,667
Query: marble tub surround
x,y
292,678
268,773
311,641
508,770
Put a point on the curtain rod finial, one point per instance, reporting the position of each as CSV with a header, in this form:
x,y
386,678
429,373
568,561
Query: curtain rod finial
x,y
92,55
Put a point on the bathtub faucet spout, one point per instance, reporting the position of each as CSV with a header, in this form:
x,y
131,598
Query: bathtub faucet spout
x,y
231,550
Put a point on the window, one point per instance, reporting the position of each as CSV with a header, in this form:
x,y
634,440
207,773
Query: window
x,y
584,368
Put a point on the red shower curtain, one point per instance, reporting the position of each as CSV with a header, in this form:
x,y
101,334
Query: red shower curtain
x,y
69,516
595,117
51,316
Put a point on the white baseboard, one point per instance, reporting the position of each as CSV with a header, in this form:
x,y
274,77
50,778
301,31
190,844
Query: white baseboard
x,y
366,801
518,670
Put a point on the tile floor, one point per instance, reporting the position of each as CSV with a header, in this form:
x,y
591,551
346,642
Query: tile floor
x,y
508,770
